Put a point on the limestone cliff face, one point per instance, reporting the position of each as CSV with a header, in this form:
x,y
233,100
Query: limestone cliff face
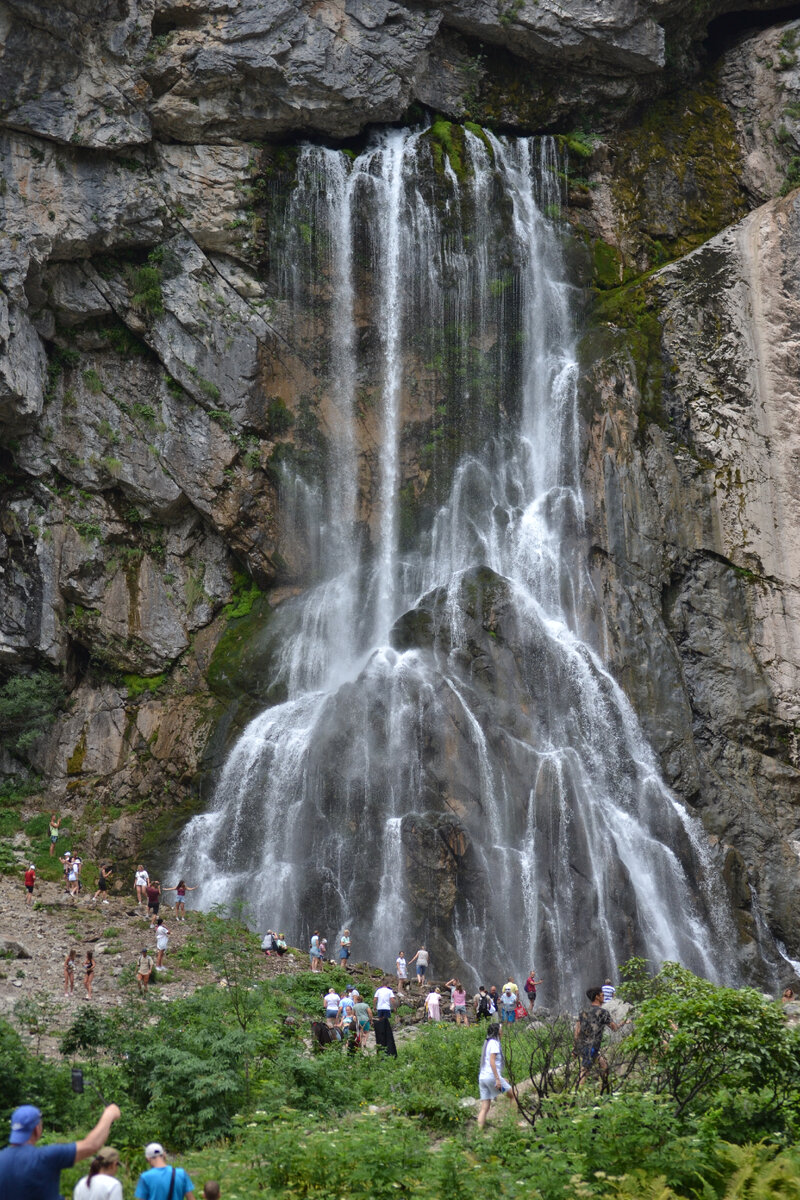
x,y
153,380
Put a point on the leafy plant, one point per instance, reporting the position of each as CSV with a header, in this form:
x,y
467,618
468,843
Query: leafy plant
x,y
29,704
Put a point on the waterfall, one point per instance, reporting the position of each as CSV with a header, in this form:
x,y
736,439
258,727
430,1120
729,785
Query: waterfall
x,y
453,762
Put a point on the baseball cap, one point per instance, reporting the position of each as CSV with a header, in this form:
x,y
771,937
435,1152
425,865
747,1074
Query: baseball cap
x,y
153,1149
23,1122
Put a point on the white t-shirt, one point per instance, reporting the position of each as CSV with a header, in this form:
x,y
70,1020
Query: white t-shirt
x,y
104,1187
402,973
486,1072
141,879
383,998
162,940
331,1000
508,999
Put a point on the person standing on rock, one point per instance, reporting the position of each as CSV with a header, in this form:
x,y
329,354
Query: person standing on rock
x,y
153,893
30,883
180,889
162,941
140,882
314,952
69,973
34,1172
433,1002
55,825
88,974
103,877
421,959
530,987
458,1000
144,969
402,972
344,947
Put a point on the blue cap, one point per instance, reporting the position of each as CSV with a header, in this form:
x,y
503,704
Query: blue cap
x,y
23,1122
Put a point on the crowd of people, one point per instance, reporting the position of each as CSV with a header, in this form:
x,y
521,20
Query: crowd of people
x,y
34,1172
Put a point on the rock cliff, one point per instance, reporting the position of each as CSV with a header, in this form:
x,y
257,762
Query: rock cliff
x,y
153,379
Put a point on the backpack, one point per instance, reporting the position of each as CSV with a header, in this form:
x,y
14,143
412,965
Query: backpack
x,y
530,986
485,1004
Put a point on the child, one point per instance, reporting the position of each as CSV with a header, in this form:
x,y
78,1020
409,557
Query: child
x,y
30,883
211,1190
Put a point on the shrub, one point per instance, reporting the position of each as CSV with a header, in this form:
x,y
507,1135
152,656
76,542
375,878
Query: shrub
x,y
28,706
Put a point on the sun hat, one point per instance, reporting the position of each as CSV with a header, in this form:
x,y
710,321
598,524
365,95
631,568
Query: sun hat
x,y
107,1155
153,1149
23,1122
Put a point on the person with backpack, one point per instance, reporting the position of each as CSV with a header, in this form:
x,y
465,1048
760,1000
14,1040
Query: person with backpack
x,y
530,987
160,1181
483,1004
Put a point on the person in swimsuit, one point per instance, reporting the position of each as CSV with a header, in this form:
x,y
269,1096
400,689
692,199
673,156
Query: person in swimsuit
x,y
88,974
69,973
180,889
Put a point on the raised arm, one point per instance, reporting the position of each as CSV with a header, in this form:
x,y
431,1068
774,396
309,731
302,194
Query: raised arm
x,y
87,1147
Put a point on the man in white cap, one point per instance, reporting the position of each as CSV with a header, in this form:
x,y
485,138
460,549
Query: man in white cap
x,y
35,1171
160,1181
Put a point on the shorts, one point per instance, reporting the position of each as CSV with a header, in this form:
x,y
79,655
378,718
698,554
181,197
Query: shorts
x,y
330,1013
153,908
29,888
460,1008
588,1055
488,1089
421,969
53,839
507,1014
344,953
364,1025
180,899
101,884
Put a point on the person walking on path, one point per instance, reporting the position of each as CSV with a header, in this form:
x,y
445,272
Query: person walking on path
x,y
30,883
140,881
88,974
69,973
31,1172
402,972
330,1002
160,1181
363,1016
144,969
180,889
101,1183
103,877
491,1083
162,942
589,1029
55,825
421,959
458,1001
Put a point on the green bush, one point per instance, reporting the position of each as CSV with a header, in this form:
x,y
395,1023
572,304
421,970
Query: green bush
x,y
28,706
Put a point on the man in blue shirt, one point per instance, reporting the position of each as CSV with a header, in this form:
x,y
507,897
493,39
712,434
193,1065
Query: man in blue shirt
x,y
162,1181
35,1171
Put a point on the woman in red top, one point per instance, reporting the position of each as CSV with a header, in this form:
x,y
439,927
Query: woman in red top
x,y
30,883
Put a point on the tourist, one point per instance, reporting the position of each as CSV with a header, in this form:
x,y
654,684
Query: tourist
x,y
458,1001
30,883
66,863
88,974
402,971
31,1172
162,941
589,1028
153,894
363,1016
69,973
330,1002
512,987
788,996
73,883
160,1181
530,987
268,943
211,1190
608,990
384,1037
313,952
483,1004
494,996
421,959
323,949
144,969
55,825
344,947
281,945
77,863
508,1004
101,1183
180,889
140,881
433,1005
490,1073
103,877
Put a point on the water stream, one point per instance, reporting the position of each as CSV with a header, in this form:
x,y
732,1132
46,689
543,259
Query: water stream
x,y
453,763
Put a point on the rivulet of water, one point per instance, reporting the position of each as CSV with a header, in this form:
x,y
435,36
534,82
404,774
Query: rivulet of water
x,y
483,785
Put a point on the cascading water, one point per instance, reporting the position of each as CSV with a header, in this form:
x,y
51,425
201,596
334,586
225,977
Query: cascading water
x,y
452,762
